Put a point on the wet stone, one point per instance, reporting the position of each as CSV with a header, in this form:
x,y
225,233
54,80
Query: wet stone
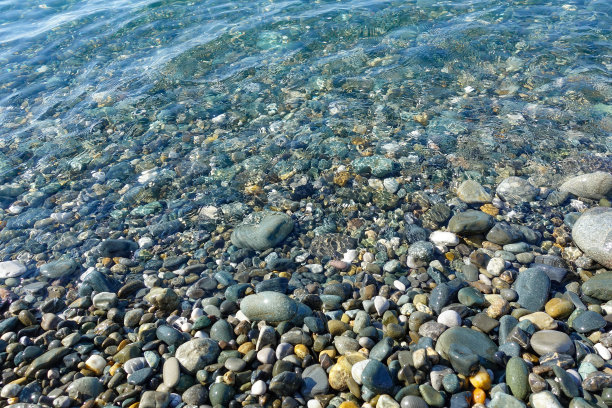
x,y
588,321
533,287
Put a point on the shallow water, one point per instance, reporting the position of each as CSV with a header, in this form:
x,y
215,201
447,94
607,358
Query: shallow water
x,y
174,85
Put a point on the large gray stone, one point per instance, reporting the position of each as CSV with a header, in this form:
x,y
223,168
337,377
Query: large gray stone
x,y
59,268
273,307
551,341
592,232
592,185
11,269
87,386
262,231
471,192
599,286
477,342
515,190
196,354
470,222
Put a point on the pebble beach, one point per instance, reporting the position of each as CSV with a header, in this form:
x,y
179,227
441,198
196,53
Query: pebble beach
x,y
340,206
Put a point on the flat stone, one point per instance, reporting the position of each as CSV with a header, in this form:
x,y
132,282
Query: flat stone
x,y
47,360
501,400
163,298
11,269
376,377
87,386
532,287
544,399
314,381
503,233
549,341
471,192
262,231
592,233
273,307
58,269
588,321
195,395
599,286
154,399
117,248
477,342
595,185
470,222
105,300
566,382
516,190
463,359
196,354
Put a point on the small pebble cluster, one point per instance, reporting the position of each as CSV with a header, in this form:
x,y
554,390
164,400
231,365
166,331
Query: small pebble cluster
x,y
484,310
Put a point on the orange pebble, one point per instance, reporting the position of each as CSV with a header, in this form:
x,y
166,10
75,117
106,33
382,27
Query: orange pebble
x,y
479,396
481,380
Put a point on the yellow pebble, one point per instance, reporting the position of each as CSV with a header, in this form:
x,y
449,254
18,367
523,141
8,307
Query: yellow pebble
x,y
13,400
481,380
345,318
348,404
114,368
300,350
135,405
284,275
246,347
331,352
479,396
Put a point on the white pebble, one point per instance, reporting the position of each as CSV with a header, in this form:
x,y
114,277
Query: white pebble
x,y
145,242
496,266
444,238
357,370
349,256
381,305
449,318
484,279
258,388
399,285
315,268
196,313
96,363
603,351
313,403
368,257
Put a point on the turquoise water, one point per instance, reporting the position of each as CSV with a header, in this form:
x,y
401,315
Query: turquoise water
x,y
85,85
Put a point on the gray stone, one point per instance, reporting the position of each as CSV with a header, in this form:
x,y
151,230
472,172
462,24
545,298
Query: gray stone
x,y
59,268
262,231
599,286
88,386
378,166
221,330
517,377
154,399
588,321
105,300
195,395
591,185
11,269
532,287
503,233
472,192
171,372
549,341
376,377
470,222
46,360
515,190
592,233
273,307
117,248
314,381
501,400
196,354
477,342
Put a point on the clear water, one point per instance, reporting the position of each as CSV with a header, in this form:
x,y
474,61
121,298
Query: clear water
x,y
85,85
